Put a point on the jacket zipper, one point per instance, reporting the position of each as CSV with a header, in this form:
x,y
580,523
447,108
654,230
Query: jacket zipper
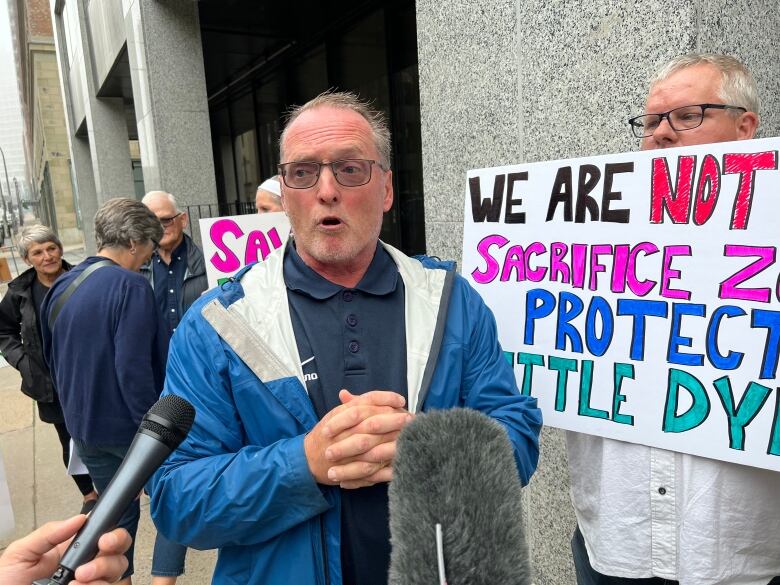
x,y
324,551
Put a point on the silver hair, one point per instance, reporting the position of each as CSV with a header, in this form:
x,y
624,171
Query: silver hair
x,y
121,221
35,234
169,196
346,100
737,88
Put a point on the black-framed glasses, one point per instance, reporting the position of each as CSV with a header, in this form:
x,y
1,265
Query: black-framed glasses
x,y
166,221
350,172
683,118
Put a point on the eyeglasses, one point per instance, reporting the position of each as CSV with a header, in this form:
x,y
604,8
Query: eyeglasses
x,y
351,172
166,221
684,118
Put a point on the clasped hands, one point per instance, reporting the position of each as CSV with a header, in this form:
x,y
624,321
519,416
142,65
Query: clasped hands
x,y
353,446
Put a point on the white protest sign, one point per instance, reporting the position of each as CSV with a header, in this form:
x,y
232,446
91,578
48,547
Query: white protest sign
x,y
230,243
637,295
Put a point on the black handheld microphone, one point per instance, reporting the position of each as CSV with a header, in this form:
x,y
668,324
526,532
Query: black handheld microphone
x,y
163,429
455,510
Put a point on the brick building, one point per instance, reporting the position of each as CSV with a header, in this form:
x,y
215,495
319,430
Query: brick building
x,y
46,133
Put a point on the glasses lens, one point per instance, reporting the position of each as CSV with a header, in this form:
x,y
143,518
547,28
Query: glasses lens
x,y
686,117
166,221
301,175
644,126
352,172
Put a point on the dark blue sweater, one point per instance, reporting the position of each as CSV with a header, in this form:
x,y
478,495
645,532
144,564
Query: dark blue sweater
x,y
106,354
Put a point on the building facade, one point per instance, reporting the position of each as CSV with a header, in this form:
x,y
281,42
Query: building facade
x,y
202,88
540,80
46,136
13,163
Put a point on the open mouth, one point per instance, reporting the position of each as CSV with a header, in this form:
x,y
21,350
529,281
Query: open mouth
x,y
330,222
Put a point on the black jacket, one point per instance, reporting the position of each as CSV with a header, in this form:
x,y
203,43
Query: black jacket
x,y
20,338
195,282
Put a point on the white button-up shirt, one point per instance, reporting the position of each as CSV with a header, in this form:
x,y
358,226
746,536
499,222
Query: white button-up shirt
x,y
647,512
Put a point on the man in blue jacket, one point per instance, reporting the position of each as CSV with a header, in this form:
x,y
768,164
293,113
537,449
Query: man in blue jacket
x,y
305,367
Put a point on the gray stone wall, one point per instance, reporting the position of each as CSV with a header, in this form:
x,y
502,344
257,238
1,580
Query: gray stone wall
x,y
514,81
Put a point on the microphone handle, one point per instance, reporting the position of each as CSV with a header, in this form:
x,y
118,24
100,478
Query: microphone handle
x,y
145,455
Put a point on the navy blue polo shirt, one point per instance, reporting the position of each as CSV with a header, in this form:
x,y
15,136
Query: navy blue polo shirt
x,y
168,282
353,338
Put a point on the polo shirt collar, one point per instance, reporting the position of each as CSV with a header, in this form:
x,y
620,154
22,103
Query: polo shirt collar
x,y
381,278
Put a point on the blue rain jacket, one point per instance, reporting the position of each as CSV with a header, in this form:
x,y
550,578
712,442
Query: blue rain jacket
x,y
240,481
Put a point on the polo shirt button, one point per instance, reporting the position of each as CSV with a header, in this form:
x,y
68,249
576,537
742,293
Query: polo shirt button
x,y
354,346
662,491
351,320
347,295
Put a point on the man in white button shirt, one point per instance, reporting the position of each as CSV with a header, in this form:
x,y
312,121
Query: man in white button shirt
x,y
650,516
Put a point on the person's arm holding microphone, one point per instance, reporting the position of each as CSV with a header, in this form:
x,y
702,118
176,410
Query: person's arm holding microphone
x,y
38,554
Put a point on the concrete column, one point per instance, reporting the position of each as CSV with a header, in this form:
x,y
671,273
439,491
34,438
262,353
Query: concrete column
x,y
517,81
101,159
85,184
169,90
106,128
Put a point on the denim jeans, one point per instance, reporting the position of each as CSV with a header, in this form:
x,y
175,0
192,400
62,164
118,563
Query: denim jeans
x,y
168,558
102,463
587,575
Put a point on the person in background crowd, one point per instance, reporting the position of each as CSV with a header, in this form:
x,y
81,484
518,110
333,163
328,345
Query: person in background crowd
x,y
176,270
650,516
287,465
20,336
37,555
106,346
268,198
177,273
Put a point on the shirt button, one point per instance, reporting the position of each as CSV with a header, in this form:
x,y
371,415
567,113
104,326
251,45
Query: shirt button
x,y
351,320
171,291
354,346
662,491
170,272
174,310
347,295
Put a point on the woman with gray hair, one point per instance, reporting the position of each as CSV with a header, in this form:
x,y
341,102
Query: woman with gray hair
x,y
105,343
20,338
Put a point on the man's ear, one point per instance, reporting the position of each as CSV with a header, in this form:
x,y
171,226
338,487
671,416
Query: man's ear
x,y
185,220
747,125
388,199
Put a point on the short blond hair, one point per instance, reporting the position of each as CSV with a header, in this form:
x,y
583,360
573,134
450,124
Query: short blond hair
x,y
737,88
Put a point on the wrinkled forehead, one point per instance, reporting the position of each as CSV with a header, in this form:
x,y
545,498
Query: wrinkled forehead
x,y
162,207
327,130
690,85
42,246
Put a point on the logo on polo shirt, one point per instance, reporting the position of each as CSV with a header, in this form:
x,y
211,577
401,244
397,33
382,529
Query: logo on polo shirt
x,y
309,376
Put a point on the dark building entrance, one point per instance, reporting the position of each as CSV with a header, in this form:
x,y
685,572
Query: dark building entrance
x,y
262,57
